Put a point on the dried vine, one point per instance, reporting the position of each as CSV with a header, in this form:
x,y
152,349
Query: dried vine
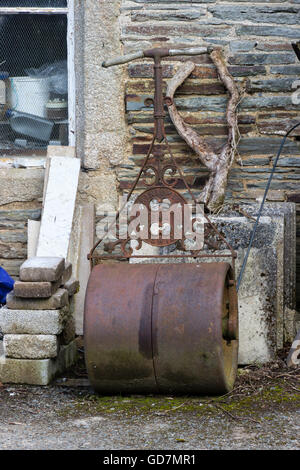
x,y
218,162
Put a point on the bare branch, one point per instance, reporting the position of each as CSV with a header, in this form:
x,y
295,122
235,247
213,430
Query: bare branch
x,y
228,151
206,154
229,83
219,163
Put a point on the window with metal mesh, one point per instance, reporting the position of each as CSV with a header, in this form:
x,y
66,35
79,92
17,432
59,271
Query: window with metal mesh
x,y
33,79
33,3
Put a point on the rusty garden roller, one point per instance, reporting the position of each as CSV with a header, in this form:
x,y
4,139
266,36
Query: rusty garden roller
x,y
162,327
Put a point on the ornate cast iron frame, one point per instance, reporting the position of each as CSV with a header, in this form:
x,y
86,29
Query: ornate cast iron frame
x,y
161,188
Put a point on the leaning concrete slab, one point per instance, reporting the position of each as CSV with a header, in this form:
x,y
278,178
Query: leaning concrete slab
x,y
81,243
56,151
59,207
261,291
258,322
37,372
283,215
33,231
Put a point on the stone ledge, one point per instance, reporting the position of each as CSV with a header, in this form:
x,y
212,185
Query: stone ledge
x,y
37,372
21,185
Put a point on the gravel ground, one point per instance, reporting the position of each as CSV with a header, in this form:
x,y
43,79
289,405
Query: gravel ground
x,y
71,417
262,412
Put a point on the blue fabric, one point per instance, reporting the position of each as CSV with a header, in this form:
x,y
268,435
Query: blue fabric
x,y
6,285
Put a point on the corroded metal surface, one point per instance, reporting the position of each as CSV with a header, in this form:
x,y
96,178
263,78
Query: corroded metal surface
x,y
117,328
192,354
161,328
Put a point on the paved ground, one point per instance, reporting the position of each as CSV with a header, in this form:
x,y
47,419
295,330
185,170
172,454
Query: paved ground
x,y
67,416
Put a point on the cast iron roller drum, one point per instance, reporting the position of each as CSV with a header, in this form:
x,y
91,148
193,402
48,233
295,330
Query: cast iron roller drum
x,y
161,328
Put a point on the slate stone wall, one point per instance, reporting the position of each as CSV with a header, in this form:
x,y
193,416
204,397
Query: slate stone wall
x,y
256,39
114,127
13,237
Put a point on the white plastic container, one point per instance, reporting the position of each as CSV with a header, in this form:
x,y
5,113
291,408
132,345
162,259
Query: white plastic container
x,y
29,95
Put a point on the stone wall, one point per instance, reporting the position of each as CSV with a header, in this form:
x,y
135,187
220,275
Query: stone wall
x,y
256,39
21,190
113,133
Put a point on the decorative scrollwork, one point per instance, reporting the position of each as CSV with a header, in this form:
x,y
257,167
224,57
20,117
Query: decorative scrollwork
x,y
128,250
109,247
173,170
155,176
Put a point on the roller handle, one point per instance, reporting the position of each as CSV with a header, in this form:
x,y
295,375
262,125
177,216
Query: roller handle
x,y
123,59
191,51
140,54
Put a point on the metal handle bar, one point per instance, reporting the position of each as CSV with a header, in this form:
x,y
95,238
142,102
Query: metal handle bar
x,y
191,51
123,59
140,54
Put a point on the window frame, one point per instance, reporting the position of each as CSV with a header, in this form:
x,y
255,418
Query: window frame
x,y
69,11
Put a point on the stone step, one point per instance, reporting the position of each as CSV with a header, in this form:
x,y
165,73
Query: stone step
x,y
30,346
36,289
37,372
33,322
38,269
58,300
